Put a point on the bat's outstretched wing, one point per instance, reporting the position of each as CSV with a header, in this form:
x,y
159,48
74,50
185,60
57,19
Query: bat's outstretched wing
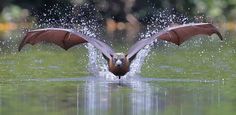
x,y
176,35
65,38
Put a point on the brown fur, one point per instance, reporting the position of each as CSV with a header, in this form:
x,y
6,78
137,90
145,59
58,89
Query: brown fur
x,y
119,71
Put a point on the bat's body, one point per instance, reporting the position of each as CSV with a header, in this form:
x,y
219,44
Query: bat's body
x,y
118,63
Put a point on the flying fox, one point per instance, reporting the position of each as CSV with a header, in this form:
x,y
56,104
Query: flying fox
x,y
118,63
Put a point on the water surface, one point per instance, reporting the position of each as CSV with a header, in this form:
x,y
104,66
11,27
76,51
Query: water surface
x,y
187,80
92,96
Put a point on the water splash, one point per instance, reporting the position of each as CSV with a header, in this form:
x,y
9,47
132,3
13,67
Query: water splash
x,y
98,66
136,65
92,63
161,19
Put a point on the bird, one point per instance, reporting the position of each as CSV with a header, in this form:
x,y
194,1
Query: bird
x,y
118,63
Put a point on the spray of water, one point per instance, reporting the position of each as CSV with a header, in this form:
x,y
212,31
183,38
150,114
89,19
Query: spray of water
x,y
98,66
136,65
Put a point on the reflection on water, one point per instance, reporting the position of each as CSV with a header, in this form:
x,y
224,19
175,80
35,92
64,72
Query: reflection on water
x,y
139,97
143,102
98,96
104,96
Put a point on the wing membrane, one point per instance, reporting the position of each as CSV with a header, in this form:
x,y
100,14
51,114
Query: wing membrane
x,y
64,38
176,35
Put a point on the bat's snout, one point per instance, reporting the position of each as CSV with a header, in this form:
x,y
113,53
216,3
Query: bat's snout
x,y
118,63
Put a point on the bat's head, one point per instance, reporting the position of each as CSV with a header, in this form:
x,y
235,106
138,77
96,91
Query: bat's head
x,y
119,64
119,59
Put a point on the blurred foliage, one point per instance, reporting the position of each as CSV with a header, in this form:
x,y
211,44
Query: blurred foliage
x,y
118,9
122,17
14,13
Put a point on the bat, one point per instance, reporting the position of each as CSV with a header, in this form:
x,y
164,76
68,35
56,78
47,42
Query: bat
x,y
118,63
